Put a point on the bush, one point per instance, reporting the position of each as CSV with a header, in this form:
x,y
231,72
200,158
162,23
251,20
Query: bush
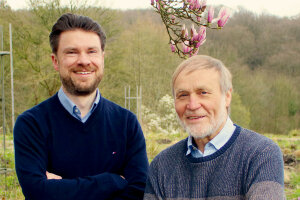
x,y
165,120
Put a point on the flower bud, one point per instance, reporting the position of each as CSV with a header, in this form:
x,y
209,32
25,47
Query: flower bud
x,y
173,19
210,14
186,35
203,5
223,20
185,47
183,30
197,5
223,16
201,36
172,45
193,31
158,6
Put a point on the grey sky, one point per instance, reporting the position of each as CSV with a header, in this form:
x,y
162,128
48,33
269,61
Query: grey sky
x,y
276,7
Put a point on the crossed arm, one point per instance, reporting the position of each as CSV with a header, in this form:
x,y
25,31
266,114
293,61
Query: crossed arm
x,y
38,183
54,176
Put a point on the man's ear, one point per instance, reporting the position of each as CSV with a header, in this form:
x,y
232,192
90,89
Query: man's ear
x,y
55,62
228,97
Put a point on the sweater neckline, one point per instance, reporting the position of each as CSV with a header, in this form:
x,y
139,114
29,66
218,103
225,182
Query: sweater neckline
x,y
62,109
217,153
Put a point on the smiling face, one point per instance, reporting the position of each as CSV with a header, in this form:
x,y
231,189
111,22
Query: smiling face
x,y
79,61
199,102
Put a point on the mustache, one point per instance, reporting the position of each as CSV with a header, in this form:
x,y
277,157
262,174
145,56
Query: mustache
x,y
80,69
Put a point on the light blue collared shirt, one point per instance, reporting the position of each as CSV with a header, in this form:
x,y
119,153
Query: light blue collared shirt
x,y
73,109
215,144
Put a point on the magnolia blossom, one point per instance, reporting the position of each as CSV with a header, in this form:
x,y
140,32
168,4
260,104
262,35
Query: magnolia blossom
x,y
203,4
158,6
186,47
223,16
172,45
210,14
191,46
183,30
173,19
194,34
201,36
197,5
190,39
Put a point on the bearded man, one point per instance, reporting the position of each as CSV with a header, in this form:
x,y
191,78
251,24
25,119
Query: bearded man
x,y
219,159
77,144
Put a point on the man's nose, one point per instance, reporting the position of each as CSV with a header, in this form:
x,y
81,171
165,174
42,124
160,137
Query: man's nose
x,y
83,59
194,102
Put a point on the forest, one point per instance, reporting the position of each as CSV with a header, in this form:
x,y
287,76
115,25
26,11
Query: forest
x,y
262,52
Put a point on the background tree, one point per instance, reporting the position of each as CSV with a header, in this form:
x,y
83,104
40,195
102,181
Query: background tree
x,y
260,50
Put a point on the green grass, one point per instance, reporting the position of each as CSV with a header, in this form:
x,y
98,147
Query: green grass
x,y
9,185
295,185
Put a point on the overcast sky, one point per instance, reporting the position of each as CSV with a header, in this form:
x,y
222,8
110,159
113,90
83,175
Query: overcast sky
x,y
276,7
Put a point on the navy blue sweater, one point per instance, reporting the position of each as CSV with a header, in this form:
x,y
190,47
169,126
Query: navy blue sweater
x,y
89,156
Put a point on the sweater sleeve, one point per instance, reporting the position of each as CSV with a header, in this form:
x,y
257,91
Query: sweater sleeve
x,y
136,165
31,161
265,174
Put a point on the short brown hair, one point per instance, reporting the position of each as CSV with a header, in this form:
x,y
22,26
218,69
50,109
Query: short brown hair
x,y
68,22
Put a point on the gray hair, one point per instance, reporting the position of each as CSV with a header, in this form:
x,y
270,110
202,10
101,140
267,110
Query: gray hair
x,y
205,62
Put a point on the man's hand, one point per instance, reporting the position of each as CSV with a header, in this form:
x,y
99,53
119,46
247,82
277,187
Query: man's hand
x,y
52,176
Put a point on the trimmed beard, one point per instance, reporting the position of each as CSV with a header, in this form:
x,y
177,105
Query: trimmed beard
x,y
206,130
76,90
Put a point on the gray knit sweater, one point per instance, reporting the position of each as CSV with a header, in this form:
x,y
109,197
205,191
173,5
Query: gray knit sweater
x,y
248,166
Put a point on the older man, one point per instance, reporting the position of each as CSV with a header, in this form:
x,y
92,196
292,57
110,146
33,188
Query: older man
x,y
219,159
77,144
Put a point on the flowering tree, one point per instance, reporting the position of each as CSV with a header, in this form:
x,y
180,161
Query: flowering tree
x,y
175,13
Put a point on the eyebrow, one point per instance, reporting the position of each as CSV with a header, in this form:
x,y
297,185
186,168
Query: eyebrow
x,y
197,89
75,48
180,91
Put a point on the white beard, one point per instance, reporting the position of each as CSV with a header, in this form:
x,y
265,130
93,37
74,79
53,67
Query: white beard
x,y
200,131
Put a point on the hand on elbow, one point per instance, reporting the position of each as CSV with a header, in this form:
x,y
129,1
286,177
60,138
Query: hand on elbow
x,y
52,176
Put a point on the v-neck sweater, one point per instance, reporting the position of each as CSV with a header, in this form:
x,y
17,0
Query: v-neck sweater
x,y
90,157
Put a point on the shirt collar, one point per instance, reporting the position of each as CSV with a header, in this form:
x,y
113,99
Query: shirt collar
x,y
218,141
221,139
70,106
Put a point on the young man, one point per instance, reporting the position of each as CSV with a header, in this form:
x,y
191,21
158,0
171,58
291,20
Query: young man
x,y
77,144
219,160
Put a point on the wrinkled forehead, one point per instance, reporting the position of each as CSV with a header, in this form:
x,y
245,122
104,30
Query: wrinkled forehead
x,y
190,68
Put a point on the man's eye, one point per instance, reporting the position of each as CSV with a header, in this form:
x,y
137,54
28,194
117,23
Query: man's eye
x,y
203,92
181,96
92,51
71,52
